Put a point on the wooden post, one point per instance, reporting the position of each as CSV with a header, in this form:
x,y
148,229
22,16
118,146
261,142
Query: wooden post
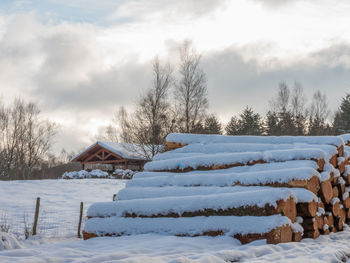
x,y
80,218
36,216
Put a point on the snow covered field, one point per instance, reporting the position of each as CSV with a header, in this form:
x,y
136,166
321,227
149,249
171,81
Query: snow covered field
x,y
157,248
63,197
60,203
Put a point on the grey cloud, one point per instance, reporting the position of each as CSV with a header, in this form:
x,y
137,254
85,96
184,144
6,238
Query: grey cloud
x,y
234,83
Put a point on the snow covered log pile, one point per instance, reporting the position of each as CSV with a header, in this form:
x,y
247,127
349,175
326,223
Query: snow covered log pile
x,y
250,187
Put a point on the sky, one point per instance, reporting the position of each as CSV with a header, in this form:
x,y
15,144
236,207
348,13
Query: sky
x,y
80,60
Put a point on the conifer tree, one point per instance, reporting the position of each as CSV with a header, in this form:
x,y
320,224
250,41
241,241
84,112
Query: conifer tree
x,y
341,123
212,125
248,123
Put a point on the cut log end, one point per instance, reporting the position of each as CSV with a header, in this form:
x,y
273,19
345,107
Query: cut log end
x,y
282,234
173,146
326,192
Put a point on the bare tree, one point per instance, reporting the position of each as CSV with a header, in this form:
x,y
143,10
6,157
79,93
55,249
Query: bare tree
x,y
318,114
150,123
25,138
299,112
191,89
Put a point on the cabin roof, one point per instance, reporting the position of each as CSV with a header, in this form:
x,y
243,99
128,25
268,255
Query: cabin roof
x,y
124,150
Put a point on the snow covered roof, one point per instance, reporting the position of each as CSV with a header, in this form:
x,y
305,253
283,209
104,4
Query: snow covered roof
x,y
124,150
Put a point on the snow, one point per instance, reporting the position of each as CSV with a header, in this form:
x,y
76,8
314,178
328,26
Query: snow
x,y
197,149
191,226
201,138
85,174
208,160
335,200
345,137
60,203
8,241
65,194
347,170
163,249
229,179
241,169
181,204
300,194
340,160
123,173
341,180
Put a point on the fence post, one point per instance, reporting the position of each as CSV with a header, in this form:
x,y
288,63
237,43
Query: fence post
x,y
80,218
36,216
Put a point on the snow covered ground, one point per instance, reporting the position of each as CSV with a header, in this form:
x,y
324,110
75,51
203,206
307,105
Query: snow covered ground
x,y
157,248
60,203
63,197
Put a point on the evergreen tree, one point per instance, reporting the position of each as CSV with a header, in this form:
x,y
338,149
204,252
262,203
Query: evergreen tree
x,y
341,123
272,128
232,126
212,125
249,123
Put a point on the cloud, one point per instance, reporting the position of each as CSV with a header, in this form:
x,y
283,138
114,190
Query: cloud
x,y
235,82
277,3
137,10
80,77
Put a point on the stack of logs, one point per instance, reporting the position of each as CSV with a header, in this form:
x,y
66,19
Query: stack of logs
x,y
323,215
332,210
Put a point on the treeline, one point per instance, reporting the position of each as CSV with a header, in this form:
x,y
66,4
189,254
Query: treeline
x,y
25,139
177,102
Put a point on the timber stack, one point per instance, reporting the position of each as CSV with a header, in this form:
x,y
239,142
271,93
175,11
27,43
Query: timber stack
x,y
280,189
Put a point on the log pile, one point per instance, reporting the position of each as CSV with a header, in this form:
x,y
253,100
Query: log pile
x,y
280,189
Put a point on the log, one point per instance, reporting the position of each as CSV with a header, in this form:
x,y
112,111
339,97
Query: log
x,y
346,202
312,234
335,191
297,236
284,207
307,209
332,179
341,167
340,150
321,204
282,234
333,161
320,163
320,222
325,220
312,184
334,208
346,178
325,231
333,229
326,191
173,146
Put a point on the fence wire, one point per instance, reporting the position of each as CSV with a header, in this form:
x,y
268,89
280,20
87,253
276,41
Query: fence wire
x,y
52,223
